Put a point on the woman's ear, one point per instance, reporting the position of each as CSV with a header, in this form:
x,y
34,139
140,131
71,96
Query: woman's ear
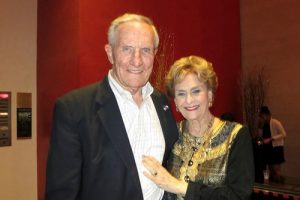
x,y
210,98
176,107
109,53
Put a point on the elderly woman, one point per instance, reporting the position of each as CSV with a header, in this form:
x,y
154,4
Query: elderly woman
x,y
212,158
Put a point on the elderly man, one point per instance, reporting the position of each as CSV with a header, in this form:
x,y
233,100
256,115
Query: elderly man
x,y
101,132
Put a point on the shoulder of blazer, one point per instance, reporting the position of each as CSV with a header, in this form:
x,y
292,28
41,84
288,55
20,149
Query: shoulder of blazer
x,y
93,91
88,98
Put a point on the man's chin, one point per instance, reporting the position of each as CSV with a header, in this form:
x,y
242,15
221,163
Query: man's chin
x,y
135,87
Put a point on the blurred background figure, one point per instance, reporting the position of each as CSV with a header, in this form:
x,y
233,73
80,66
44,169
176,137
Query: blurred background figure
x,y
228,116
273,135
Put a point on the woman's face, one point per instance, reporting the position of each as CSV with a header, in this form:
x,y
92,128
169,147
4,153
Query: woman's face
x,y
192,97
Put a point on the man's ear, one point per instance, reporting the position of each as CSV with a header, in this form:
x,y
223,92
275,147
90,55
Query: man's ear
x,y
109,53
155,51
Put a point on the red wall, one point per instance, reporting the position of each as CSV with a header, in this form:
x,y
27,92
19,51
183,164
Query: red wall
x,y
57,68
72,34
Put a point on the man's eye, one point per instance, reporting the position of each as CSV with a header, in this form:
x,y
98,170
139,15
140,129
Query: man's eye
x,y
127,49
146,50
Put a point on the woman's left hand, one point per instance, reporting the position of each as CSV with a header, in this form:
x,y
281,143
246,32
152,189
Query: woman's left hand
x,y
162,178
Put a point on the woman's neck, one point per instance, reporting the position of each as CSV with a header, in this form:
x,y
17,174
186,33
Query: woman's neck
x,y
200,127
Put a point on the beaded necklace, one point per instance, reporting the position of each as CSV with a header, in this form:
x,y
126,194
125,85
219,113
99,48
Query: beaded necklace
x,y
193,145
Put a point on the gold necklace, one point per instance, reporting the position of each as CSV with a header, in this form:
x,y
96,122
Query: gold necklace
x,y
194,144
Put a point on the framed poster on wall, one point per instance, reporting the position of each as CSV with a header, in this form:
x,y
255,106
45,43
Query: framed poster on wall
x,y
24,122
24,116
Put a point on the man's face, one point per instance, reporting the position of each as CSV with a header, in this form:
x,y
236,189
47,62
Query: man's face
x,y
132,55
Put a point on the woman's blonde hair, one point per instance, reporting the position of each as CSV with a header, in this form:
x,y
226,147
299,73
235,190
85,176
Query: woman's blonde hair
x,y
191,65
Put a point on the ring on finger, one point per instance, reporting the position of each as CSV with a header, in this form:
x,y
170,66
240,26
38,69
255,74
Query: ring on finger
x,y
154,173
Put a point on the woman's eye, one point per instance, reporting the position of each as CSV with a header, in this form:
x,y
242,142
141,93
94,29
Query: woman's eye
x,y
197,91
181,94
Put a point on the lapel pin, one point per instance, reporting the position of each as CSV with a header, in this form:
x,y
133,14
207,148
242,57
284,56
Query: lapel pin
x,y
166,107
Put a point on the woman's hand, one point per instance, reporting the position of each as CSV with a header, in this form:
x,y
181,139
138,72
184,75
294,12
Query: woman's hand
x,y
162,178
267,140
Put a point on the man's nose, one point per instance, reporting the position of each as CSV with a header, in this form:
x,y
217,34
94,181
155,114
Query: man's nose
x,y
137,59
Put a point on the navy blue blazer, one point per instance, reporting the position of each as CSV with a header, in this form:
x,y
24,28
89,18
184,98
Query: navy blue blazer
x,y
90,155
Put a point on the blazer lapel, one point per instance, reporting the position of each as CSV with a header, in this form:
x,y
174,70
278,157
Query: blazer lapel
x,y
162,109
110,115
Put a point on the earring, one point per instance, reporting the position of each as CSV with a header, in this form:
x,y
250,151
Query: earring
x,y
210,104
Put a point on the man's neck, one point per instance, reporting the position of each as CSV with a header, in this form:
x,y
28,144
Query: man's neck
x,y
138,97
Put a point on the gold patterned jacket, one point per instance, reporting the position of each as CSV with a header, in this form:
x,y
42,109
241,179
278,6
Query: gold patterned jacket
x,y
205,161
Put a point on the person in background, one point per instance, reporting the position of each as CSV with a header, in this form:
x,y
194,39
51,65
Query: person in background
x,y
273,135
228,116
212,158
101,131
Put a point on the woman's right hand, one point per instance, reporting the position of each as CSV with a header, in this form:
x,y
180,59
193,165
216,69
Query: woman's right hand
x,y
162,178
